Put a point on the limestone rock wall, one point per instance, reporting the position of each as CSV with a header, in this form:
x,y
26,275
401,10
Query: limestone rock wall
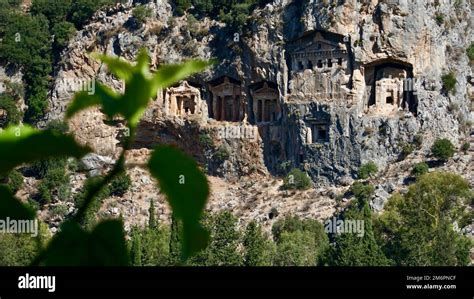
x,y
329,137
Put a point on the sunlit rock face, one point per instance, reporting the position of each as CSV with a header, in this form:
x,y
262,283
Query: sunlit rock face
x,y
327,85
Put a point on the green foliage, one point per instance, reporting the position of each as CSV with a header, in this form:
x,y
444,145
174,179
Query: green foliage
x,y
236,18
368,170
293,232
12,207
103,246
13,116
362,191
27,44
175,242
442,149
16,144
470,52
439,19
222,154
258,249
235,14
42,167
296,179
120,184
224,242
55,11
14,181
90,217
352,249
407,149
465,146
296,248
186,189
26,38
206,141
182,6
449,82
16,90
55,185
136,248
152,217
59,210
140,87
82,10
62,32
141,13
180,179
416,228
17,249
420,169
149,246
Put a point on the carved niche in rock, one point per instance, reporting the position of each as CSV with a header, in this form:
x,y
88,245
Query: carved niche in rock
x,y
317,125
182,100
266,107
226,103
389,87
320,66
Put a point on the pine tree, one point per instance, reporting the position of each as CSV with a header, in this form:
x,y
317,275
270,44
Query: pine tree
x,y
354,250
258,248
175,243
136,250
223,249
416,229
151,217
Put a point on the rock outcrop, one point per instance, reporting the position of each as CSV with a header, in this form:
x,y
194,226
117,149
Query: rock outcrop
x,y
321,85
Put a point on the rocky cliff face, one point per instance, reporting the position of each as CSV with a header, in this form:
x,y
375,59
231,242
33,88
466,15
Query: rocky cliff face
x,y
379,89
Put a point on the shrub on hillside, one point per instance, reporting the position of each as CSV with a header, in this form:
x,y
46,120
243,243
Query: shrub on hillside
x,y
362,191
297,179
141,13
442,149
222,154
367,170
13,115
449,82
120,185
470,52
420,169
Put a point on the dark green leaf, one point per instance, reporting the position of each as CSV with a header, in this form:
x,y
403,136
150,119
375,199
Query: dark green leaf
x,y
104,246
12,207
187,190
103,96
24,144
169,74
117,66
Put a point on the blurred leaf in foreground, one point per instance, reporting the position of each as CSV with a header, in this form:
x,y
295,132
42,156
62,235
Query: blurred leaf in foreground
x,y
73,246
24,144
140,86
187,191
12,208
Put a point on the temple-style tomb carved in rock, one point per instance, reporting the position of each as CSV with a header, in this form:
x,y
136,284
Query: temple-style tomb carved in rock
x,y
226,103
321,67
317,123
266,106
322,70
319,50
182,100
389,87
